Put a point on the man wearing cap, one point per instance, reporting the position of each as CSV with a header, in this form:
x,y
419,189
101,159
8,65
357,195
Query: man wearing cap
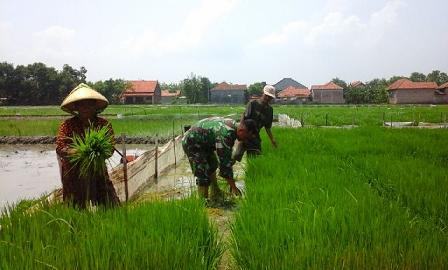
x,y
208,141
84,103
261,112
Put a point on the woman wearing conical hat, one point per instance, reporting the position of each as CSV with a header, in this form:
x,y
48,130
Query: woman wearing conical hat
x,y
84,103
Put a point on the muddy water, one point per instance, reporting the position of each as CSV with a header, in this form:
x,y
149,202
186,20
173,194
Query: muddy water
x,y
28,171
179,182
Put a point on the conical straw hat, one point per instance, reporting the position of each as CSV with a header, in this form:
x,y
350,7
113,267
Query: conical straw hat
x,y
82,92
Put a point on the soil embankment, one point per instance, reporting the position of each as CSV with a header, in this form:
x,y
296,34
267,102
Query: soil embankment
x,y
52,140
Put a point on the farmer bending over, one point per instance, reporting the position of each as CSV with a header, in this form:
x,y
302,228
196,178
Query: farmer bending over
x,y
261,113
84,103
210,135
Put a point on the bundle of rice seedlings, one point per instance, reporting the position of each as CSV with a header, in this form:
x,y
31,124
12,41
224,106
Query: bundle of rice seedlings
x,y
92,150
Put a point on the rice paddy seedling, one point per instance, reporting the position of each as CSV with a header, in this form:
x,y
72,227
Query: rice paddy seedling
x,y
345,199
157,235
91,150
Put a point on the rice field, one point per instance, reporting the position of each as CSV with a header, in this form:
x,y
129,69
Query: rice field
x,y
150,120
369,197
160,235
366,198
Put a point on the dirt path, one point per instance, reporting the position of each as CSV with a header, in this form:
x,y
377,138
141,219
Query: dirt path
x,y
222,218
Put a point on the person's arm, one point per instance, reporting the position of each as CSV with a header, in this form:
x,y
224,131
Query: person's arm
x,y
247,113
268,126
110,132
63,140
224,146
271,137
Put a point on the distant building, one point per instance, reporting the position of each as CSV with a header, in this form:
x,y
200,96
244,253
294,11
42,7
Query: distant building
x,y
286,82
441,94
357,84
142,92
293,95
405,91
228,93
329,93
168,97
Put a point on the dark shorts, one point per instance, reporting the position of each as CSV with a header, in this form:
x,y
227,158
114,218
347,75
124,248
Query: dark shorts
x,y
203,162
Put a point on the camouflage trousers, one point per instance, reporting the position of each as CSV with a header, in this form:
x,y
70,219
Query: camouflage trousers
x,y
203,161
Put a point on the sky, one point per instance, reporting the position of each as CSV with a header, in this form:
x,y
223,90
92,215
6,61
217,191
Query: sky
x,y
237,41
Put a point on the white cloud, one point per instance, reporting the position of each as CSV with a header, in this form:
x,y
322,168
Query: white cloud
x,y
5,31
283,36
190,35
54,42
337,29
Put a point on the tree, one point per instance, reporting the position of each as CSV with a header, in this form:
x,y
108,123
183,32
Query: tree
x,y
340,82
256,88
70,78
111,89
171,87
355,95
437,77
417,77
377,91
196,89
394,79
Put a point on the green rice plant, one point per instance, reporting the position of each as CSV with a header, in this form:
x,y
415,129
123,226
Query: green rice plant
x,y
91,151
156,235
148,120
332,199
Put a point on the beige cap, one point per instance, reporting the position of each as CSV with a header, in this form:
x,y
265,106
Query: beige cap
x,y
83,92
269,90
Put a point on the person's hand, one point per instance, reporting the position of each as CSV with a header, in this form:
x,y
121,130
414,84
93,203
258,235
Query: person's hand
x,y
233,161
71,151
235,191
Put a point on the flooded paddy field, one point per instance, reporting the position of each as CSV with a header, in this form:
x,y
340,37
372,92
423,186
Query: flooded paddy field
x,y
28,171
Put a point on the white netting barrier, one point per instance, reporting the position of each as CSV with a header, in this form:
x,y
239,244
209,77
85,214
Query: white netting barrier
x,y
285,121
142,171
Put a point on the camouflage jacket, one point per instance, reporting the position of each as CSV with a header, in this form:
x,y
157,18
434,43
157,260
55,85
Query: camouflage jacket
x,y
215,134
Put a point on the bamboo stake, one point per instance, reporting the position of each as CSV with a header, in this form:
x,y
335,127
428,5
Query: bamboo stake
x,y
125,166
174,146
156,172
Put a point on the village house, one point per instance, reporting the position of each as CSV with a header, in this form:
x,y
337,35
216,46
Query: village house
x,y
357,84
142,92
405,91
441,94
168,97
294,95
287,82
228,93
329,93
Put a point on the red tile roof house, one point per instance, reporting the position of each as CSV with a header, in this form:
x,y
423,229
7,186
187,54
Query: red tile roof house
x,y
293,95
441,94
228,93
330,93
168,97
357,84
141,92
405,91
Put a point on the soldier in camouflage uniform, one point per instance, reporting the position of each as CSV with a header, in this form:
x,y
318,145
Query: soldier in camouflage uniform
x,y
208,145
261,112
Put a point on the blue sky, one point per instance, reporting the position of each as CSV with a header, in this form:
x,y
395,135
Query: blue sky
x,y
238,41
